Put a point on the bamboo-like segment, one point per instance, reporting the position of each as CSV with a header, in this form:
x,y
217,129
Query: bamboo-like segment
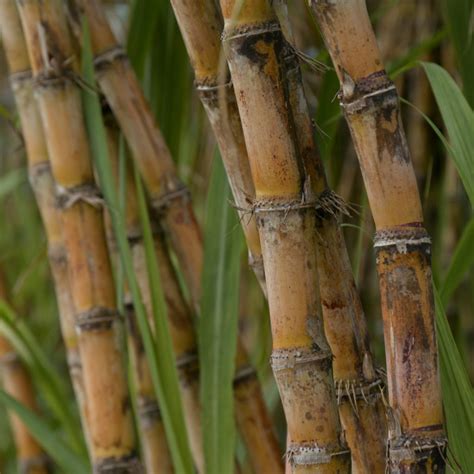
x,y
42,182
171,199
286,220
17,383
371,106
181,329
358,385
200,24
108,416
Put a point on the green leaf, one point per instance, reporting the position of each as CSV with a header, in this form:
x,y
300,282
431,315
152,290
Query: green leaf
x,y
10,181
59,451
459,17
461,262
218,324
169,399
458,118
458,396
169,391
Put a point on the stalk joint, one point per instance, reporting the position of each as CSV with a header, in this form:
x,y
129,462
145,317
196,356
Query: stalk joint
x,y
416,450
243,374
165,200
20,79
310,454
374,92
87,193
148,411
105,60
121,465
97,318
356,390
403,239
248,30
188,367
283,359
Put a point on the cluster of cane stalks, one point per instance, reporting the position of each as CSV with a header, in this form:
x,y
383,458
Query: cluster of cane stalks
x,y
248,77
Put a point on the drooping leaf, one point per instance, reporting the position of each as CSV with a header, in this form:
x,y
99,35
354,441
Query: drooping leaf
x,y
169,399
458,119
52,443
218,324
461,262
458,395
459,16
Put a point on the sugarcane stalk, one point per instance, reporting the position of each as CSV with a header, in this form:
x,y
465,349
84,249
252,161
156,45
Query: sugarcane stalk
x,y
168,195
42,182
371,107
180,323
17,383
201,24
286,220
110,428
359,385
171,199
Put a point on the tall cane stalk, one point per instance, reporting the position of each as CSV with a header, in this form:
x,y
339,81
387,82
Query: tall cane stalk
x,y
287,223
359,385
110,428
42,182
181,326
201,25
17,383
371,107
172,201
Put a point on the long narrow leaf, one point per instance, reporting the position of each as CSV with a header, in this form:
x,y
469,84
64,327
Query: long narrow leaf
x,y
462,261
179,447
218,324
458,118
67,459
458,395
166,361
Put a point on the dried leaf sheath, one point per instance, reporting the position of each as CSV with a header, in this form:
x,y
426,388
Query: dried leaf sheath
x,y
42,183
112,442
371,106
180,323
17,383
286,220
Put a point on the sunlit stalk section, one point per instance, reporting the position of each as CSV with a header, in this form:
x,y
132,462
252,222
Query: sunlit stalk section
x,y
181,328
41,180
359,385
169,197
403,247
201,25
108,416
286,219
16,382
